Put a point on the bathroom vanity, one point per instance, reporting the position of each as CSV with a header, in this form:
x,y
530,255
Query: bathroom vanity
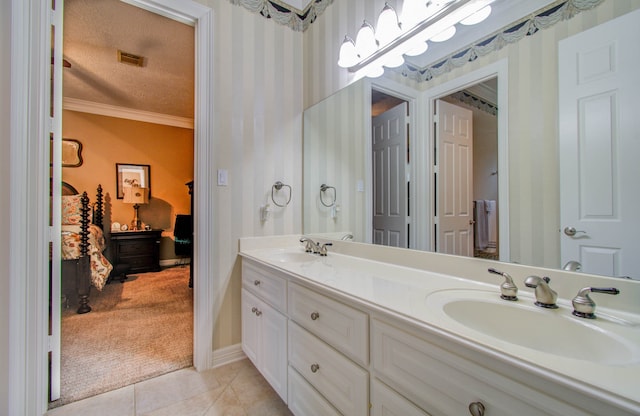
x,y
372,330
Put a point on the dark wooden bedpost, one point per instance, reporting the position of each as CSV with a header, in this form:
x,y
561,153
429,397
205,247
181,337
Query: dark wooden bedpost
x,y
98,215
83,265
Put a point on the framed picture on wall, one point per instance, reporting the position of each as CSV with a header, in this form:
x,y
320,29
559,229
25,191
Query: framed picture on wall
x,y
129,175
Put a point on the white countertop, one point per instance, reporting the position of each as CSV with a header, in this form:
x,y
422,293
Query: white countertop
x,y
404,290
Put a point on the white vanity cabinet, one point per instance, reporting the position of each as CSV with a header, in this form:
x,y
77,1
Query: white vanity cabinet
x,y
264,328
443,383
332,351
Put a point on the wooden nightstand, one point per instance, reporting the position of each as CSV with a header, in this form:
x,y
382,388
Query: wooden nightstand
x,y
138,249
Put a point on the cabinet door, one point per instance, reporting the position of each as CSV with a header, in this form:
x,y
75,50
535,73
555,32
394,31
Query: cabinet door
x,y
274,349
250,327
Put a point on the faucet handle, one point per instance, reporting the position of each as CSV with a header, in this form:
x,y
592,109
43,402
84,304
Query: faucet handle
x,y
323,248
584,306
508,289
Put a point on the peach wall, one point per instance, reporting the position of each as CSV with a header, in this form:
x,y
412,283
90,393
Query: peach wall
x,y
107,141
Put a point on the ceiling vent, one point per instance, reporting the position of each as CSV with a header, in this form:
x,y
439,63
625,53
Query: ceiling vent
x,y
129,58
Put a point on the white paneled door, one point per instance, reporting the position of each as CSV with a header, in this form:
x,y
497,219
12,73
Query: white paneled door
x,y
454,179
599,139
390,217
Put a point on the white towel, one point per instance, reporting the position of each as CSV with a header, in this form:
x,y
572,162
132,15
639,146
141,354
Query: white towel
x,y
481,234
492,226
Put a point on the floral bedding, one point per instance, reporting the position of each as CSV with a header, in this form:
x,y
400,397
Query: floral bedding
x,y
100,266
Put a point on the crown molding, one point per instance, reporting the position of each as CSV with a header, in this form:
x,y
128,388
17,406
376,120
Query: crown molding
x,y
74,104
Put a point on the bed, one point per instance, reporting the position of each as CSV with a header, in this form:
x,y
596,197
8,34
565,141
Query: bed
x,y
83,244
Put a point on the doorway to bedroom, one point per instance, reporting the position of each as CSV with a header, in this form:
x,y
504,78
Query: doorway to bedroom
x,y
119,60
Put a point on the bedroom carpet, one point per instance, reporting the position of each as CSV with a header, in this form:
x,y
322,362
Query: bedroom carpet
x,y
136,330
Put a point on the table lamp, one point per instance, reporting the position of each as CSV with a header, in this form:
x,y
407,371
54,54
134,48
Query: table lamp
x,y
136,195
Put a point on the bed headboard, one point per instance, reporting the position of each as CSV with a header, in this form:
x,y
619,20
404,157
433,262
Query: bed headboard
x,y
98,206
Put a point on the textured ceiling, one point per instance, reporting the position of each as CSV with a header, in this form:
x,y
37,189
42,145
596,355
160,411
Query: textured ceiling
x,y
94,30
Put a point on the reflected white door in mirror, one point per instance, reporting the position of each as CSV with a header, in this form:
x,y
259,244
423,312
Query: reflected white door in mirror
x,y
599,148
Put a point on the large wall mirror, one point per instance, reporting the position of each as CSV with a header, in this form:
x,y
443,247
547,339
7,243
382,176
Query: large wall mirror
x,y
354,182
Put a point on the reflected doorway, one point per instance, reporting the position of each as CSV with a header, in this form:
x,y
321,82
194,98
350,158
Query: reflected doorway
x,y
465,172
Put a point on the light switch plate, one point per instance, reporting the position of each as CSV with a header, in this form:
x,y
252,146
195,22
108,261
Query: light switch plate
x,y
223,177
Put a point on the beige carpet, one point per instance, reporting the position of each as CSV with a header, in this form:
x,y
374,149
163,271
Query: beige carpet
x,y
136,330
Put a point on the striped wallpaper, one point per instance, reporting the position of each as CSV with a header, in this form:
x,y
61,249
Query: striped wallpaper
x,y
532,66
258,139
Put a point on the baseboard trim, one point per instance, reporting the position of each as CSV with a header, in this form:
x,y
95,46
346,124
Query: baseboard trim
x,y
174,262
228,355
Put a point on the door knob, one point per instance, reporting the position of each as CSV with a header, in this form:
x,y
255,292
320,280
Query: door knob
x,y
571,231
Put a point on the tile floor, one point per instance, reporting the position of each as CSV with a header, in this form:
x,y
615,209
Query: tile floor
x,y
235,389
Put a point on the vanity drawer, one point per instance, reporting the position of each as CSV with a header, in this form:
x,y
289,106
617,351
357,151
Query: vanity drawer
x,y
304,400
337,378
341,326
445,384
386,402
265,284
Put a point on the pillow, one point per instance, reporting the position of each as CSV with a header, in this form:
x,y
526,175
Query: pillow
x,y
71,209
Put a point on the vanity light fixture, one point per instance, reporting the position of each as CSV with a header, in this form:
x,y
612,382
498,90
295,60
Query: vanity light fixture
x,y
393,37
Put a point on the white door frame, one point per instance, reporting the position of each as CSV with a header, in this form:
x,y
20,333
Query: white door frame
x,y
29,170
499,69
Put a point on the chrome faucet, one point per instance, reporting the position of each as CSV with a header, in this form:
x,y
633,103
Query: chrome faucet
x,y
508,289
347,237
545,296
309,245
584,306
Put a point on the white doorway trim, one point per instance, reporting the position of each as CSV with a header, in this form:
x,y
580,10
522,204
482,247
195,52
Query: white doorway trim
x,y
499,69
29,187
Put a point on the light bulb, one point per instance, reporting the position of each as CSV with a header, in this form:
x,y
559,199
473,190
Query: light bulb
x,y
413,12
348,54
388,27
366,43
477,17
416,48
444,35
374,71
393,60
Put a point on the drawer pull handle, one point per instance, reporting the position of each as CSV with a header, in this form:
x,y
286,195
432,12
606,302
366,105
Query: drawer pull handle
x,y
256,282
258,312
314,316
254,309
315,368
476,409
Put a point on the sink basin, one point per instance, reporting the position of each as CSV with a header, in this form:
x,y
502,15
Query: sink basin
x,y
552,331
292,257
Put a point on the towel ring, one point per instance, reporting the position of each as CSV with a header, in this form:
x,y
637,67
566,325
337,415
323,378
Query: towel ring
x,y
276,187
324,188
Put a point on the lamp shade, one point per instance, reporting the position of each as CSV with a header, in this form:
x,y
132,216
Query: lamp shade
x,y
388,27
348,54
136,195
366,43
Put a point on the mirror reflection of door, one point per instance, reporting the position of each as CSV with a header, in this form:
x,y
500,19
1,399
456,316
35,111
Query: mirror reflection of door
x,y
599,147
466,173
389,131
454,174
